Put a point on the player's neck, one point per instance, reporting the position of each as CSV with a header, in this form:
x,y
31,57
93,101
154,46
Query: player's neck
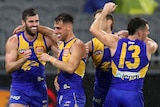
x,y
29,37
69,37
133,37
108,31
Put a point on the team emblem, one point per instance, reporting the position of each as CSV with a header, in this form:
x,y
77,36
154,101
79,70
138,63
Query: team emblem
x,y
39,50
66,52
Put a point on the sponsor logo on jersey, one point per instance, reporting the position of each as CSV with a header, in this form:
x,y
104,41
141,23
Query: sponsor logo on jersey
x,y
21,51
128,75
66,86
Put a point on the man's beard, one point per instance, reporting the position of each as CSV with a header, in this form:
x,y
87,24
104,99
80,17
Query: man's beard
x,y
28,30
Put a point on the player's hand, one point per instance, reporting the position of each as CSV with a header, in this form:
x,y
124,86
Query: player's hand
x,y
87,52
56,85
123,33
19,28
109,7
87,48
45,57
27,54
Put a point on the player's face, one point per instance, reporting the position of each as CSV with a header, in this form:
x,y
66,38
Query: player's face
x,y
32,23
146,32
60,30
105,24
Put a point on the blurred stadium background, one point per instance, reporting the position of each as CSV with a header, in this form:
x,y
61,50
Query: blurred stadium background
x,y
10,17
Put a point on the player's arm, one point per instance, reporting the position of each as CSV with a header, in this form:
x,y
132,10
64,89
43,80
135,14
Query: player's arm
x,y
77,53
42,29
19,28
52,45
88,47
123,33
47,32
11,62
152,46
56,85
54,50
95,29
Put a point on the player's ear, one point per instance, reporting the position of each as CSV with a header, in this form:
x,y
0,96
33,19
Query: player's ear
x,y
69,26
110,22
139,32
22,22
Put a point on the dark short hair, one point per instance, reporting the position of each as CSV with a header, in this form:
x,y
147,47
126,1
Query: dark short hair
x,y
64,17
28,12
135,24
108,16
98,11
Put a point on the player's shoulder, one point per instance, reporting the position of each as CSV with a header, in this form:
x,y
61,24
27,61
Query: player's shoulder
x,y
12,41
78,43
13,38
95,40
152,46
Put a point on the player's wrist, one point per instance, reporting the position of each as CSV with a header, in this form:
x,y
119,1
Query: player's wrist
x,y
23,60
52,60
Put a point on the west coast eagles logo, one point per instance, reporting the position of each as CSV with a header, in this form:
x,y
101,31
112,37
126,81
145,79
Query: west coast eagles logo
x,y
21,51
39,50
66,52
98,52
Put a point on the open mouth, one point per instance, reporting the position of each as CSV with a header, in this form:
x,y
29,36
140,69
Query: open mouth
x,y
34,28
58,35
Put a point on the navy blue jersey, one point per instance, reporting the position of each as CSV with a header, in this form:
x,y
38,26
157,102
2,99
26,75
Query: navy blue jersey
x,y
101,58
129,64
32,71
70,82
71,92
28,85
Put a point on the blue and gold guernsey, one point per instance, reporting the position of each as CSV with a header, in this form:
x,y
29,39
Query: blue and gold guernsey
x,y
101,55
70,83
129,65
102,61
101,58
71,93
32,73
